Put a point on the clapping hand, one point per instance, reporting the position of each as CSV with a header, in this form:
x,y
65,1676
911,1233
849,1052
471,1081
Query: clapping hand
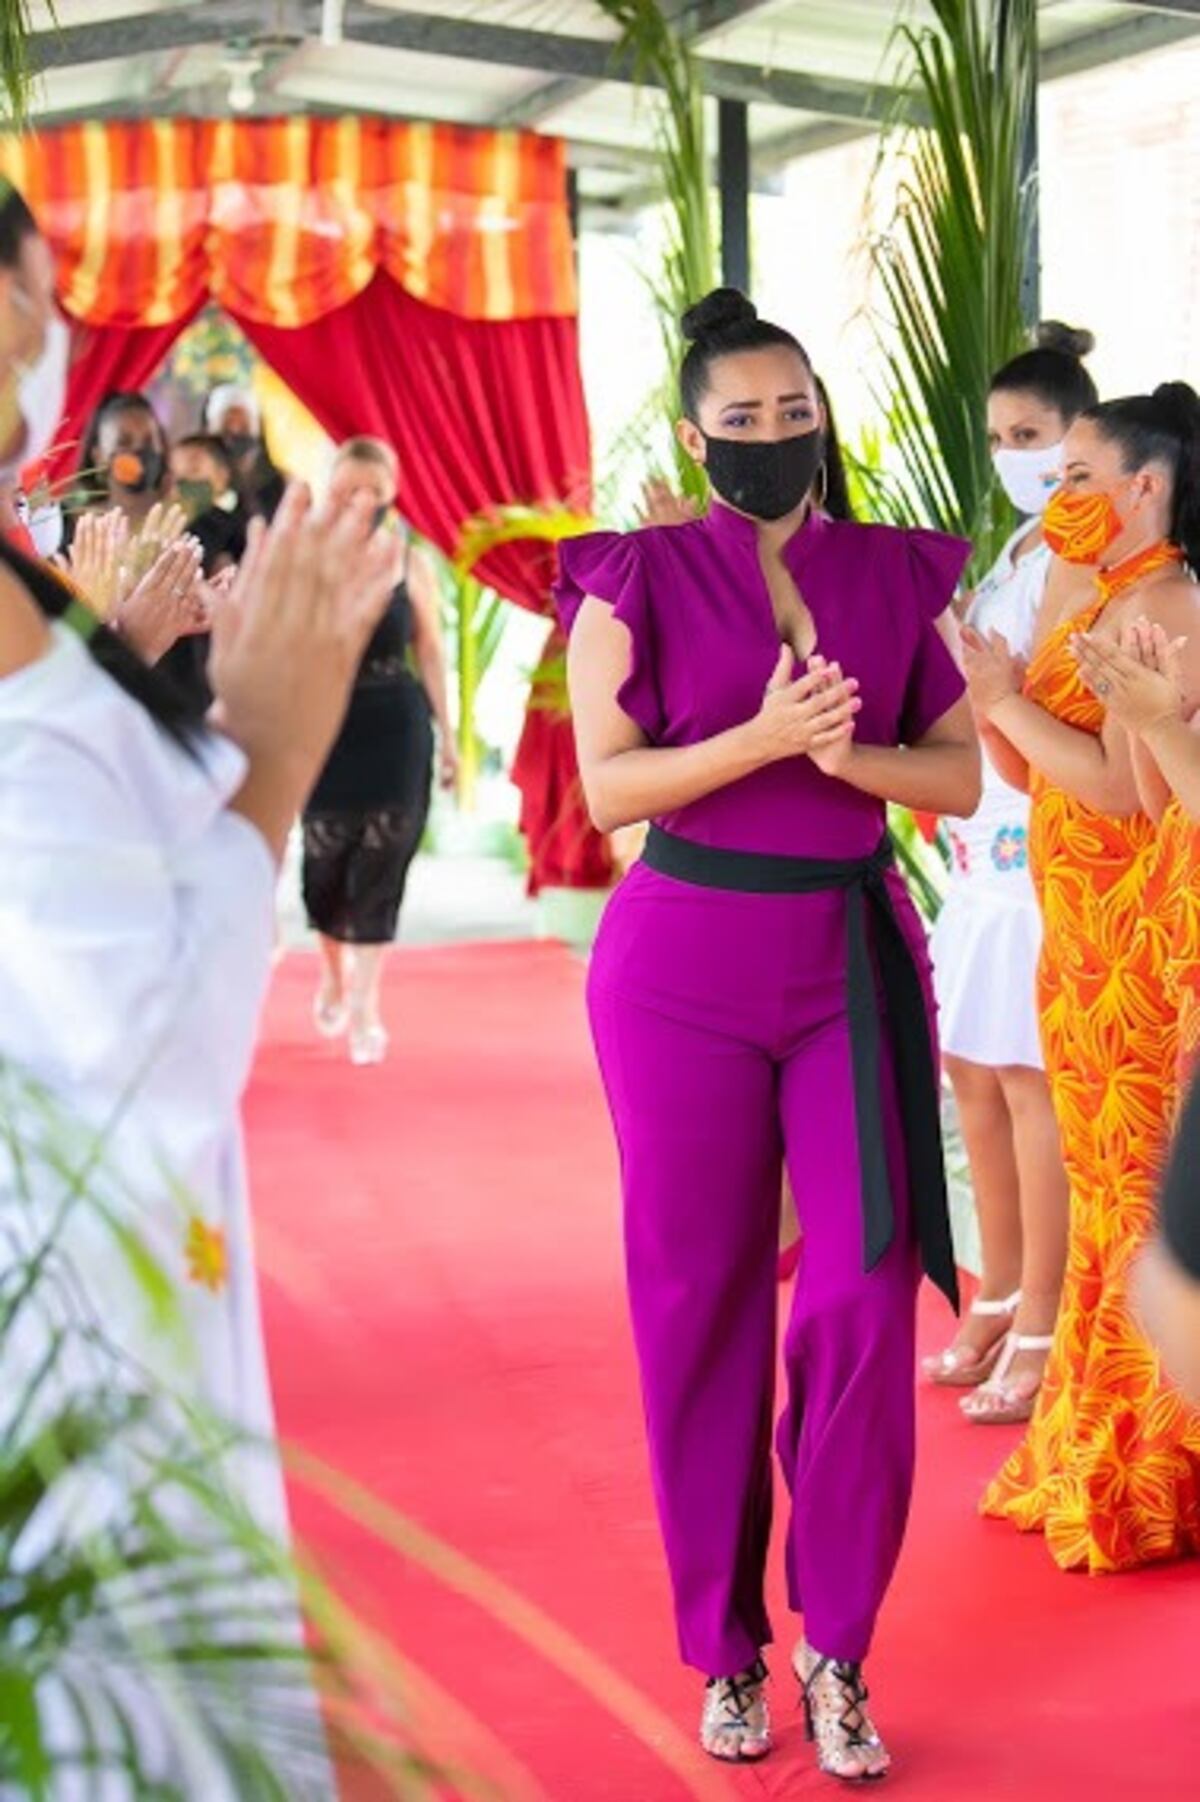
x,y
96,560
1139,679
166,604
662,506
165,523
993,673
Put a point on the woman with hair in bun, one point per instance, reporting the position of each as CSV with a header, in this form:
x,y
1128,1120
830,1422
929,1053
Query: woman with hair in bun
x,y
759,684
988,936
1110,1467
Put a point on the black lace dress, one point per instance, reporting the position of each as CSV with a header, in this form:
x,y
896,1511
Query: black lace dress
x,y
364,820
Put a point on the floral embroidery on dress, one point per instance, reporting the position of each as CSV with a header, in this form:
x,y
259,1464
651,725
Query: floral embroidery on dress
x,y
1010,849
207,1255
961,853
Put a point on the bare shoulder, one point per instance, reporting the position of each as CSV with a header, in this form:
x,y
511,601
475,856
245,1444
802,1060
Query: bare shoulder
x,y
24,634
1172,602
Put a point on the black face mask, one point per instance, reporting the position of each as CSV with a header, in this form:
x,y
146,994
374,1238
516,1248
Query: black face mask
x,y
151,466
764,479
240,444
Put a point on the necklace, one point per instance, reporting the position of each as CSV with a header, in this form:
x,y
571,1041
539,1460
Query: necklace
x,y
1112,582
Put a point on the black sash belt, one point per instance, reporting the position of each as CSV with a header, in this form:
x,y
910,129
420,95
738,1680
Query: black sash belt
x,y
865,885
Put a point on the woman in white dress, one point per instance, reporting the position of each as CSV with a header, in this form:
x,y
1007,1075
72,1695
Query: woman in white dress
x,y
987,938
138,859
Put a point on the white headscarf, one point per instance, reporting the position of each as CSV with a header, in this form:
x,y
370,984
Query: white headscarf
x,y
230,395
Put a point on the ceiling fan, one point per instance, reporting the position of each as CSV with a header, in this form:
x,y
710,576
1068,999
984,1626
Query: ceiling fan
x,y
247,59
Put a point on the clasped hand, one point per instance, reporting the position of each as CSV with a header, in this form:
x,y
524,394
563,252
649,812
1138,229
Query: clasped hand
x,y
810,717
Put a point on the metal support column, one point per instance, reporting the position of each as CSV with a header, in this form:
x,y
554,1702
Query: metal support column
x,y
733,177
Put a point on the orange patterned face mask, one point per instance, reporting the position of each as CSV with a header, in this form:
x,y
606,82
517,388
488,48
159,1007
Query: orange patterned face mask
x,y
1079,528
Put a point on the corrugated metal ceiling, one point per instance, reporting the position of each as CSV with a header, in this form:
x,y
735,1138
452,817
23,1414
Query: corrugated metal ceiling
x,y
812,69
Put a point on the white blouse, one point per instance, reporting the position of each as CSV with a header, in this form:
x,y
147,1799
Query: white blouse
x,y
136,925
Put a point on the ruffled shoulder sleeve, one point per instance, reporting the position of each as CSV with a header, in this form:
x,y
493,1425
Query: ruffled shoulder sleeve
x,y
935,562
612,566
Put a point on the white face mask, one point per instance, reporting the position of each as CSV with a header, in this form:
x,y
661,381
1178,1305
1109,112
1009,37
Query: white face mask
x,y
46,529
1029,477
43,392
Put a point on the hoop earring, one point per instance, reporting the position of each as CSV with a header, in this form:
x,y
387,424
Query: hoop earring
x,y
822,476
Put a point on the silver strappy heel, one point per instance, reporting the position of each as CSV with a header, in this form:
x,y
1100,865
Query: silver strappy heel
x,y
736,1715
834,1698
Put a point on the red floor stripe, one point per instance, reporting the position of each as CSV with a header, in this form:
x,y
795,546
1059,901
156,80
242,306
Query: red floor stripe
x,y
446,1322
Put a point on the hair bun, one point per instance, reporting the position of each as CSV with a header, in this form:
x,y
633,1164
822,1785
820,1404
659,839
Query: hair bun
x,y
1180,402
1068,340
723,308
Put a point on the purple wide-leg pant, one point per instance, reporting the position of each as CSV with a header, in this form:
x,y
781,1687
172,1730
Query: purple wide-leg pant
x,y
721,1027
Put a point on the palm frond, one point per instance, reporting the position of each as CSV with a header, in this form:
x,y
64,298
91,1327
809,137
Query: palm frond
x,y
686,268
16,74
949,266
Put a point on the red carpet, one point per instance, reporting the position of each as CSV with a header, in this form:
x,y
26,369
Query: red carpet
x,y
446,1322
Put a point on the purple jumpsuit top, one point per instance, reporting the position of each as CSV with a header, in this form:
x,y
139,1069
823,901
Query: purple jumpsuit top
x,y
726,1044
705,643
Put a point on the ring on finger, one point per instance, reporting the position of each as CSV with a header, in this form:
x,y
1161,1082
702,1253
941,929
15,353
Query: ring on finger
x,y
1103,686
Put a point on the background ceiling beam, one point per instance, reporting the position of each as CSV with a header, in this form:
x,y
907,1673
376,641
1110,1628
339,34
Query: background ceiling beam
x,y
694,20
591,59
845,110
1189,9
1146,29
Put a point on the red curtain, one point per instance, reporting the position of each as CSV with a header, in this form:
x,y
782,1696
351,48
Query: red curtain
x,y
105,358
481,413
565,850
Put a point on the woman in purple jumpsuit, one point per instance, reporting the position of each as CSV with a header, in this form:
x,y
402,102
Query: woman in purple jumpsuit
x,y
760,991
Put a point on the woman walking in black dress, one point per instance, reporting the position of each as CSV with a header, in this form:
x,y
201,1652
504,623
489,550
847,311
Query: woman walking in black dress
x,y
364,821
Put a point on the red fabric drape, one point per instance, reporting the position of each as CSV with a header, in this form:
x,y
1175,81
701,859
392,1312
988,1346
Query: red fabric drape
x,y
565,850
480,413
104,358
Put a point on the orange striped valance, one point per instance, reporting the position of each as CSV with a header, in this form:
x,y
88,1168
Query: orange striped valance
x,y
281,220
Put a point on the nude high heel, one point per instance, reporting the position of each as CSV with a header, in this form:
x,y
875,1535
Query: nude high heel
x,y
958,1367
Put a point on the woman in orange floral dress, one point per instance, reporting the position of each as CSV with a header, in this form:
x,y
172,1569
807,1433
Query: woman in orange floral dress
x,y
1109,1469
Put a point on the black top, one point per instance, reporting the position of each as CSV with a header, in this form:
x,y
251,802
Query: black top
x,y
1181,1186
369,764
263,488
222,534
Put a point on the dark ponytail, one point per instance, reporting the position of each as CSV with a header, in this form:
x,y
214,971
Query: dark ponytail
x,y
1163,427
726,322
167,706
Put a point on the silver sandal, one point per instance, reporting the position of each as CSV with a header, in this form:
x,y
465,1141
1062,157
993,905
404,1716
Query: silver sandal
x,y
735,1711
834,1698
